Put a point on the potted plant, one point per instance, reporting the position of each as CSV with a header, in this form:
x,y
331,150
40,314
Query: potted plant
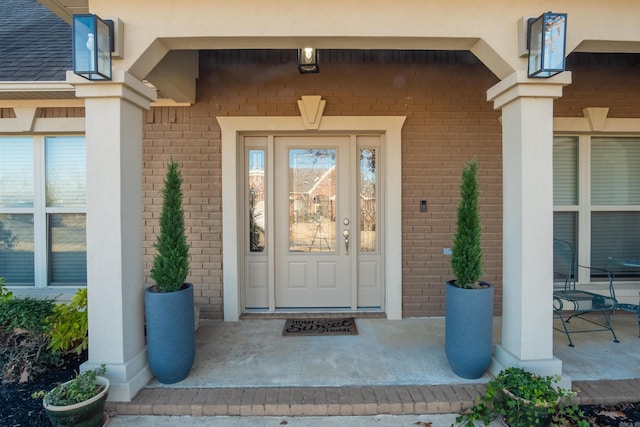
x,y
169,307
78,402
523,399
469,302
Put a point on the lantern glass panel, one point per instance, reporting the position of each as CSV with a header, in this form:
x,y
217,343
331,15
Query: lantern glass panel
x,y
308,60
547,41
535,46
554,41
91,47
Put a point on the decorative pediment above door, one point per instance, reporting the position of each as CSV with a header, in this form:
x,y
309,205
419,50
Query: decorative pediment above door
x,y
311,110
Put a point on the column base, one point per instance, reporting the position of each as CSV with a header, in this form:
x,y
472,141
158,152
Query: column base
x,y
502,359
127,379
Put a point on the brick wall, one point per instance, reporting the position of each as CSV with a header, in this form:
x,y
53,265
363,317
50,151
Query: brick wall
x,y
448,122
600,80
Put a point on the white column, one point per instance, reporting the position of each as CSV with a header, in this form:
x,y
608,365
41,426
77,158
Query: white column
x,y
113,114
527,153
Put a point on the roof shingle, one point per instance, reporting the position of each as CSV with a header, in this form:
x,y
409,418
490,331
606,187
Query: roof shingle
x,y
35,44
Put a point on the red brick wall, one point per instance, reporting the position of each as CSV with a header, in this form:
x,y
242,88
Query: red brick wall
x,y
601,81
448,122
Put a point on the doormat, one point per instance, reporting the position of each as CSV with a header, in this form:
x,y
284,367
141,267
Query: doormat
x,y
314,327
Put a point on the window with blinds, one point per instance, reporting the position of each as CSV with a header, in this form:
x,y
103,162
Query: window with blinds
x,y
615,171
42,211
66,173
565,171
16,211
615,199
610,218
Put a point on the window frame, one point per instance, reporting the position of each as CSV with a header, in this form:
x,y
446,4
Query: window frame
x,y
595,123
41,213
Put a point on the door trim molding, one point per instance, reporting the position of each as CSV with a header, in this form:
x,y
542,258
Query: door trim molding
x,y
232,128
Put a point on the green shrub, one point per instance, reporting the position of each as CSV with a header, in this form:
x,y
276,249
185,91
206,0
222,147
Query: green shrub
x,y
522,398
25,313
466,255
171,262
82,388
36,333
68,326
4,292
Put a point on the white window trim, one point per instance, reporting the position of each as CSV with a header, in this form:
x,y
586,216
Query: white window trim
x,y
27,123
40,287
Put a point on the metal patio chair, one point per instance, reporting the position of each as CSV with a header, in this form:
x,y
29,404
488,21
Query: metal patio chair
x,y
570,302
624,267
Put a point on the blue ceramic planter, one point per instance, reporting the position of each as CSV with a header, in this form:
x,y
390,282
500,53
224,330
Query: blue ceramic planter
x,y
171,342
469,329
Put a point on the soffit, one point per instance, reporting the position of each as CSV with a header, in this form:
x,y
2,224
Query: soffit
x,y
65,9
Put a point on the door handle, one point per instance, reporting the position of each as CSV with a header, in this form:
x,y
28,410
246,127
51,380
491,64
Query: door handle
x,y
345,234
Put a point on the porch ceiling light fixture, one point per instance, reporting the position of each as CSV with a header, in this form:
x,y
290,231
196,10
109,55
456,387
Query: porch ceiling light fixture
x,y
92,40
308,61
546,41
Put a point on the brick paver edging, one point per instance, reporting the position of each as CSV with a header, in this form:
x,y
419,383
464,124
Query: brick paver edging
x,y
301,401
328,401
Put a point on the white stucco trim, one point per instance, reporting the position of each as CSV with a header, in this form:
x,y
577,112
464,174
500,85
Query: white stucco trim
x,y
28,122
389,126
596,120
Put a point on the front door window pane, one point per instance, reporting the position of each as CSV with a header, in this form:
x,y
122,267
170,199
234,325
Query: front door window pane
x,y
16,173
256,200
66,172
368,200
67,249
16,249
312,196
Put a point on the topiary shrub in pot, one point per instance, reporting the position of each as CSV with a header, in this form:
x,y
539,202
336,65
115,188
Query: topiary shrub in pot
x,y
169,306
469,301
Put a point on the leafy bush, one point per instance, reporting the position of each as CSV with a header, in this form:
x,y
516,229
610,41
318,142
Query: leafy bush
x,y
524,399
25,313
82,387
36,333
4,292
68,326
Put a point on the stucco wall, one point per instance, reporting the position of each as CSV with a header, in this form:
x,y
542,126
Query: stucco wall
x,y
448,122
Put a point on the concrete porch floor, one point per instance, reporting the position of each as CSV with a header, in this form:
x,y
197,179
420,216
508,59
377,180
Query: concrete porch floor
x,y
392,367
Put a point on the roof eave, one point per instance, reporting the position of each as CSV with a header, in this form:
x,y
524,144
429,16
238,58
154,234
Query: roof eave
x,y
36,90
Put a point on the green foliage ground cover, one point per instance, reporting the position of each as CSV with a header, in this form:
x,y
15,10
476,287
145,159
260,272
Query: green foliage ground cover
x,y
35,334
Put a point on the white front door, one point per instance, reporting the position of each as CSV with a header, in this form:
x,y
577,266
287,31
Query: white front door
x,y
315,232
312,211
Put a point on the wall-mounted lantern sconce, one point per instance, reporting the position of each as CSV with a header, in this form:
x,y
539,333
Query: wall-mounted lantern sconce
x,y
546,41
92,47
308,61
